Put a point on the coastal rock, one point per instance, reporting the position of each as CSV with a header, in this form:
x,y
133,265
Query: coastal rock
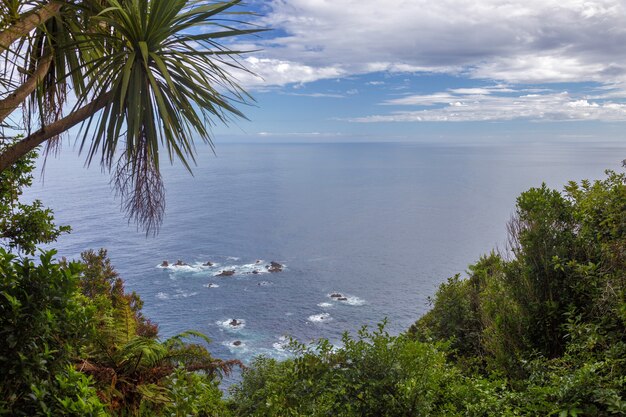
x,y
226,273
180,263
336,295
237,343
234,322
165,264
207,263
342,299
274,267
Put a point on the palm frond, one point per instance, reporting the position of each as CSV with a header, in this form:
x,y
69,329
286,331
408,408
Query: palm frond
x,y
169,84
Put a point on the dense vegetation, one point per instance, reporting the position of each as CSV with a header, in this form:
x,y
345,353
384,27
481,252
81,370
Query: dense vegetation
x,y
74,342
538,330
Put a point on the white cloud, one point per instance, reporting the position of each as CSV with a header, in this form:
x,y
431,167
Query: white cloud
x,y
318,95
268,71
486,107
518,41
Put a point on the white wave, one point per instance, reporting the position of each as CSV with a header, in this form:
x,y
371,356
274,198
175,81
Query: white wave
x,y
354,301
184,294
162,296
254,268
324,305
226,324
282,344
189,268
245,269
320,318
211,285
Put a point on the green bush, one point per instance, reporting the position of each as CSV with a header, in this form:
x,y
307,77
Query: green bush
x,y
550,320
374,374
44,321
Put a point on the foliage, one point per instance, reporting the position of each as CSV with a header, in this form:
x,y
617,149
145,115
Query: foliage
x,y
374,374
104,287
134,372
72,394
190,394
24,226
147,76
551,319
540,331
43,324
78,344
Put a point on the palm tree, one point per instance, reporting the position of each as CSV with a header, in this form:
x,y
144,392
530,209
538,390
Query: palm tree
x,y
147,75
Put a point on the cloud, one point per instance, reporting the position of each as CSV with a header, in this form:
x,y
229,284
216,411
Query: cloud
x,y
269,72
515,41
318,95
459,107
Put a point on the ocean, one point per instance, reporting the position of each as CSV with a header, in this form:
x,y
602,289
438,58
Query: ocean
x,y
381,223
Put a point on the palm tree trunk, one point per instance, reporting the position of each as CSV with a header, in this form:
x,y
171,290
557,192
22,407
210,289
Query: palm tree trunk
x,y
21,148
18,96
26,23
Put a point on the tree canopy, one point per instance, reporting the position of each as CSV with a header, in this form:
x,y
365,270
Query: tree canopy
x,y
142,76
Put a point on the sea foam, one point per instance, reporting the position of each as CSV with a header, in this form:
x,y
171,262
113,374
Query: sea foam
x,y
320,318
225,324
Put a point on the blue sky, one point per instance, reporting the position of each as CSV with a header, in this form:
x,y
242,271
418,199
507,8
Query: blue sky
x,y
343,70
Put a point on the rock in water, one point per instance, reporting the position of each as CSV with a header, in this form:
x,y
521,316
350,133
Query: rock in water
x,y
207,263
336,295
226,273
274,267
237,343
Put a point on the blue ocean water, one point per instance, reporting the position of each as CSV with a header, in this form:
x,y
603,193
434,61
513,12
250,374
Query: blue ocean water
x,y
382,223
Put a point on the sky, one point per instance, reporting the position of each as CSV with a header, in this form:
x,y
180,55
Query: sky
x,y
344,70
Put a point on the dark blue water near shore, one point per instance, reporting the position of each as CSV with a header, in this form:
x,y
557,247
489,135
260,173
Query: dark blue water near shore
x,y
383,224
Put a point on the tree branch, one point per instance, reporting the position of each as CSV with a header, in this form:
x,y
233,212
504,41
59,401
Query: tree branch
x,y
10,103
21,148
27,22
